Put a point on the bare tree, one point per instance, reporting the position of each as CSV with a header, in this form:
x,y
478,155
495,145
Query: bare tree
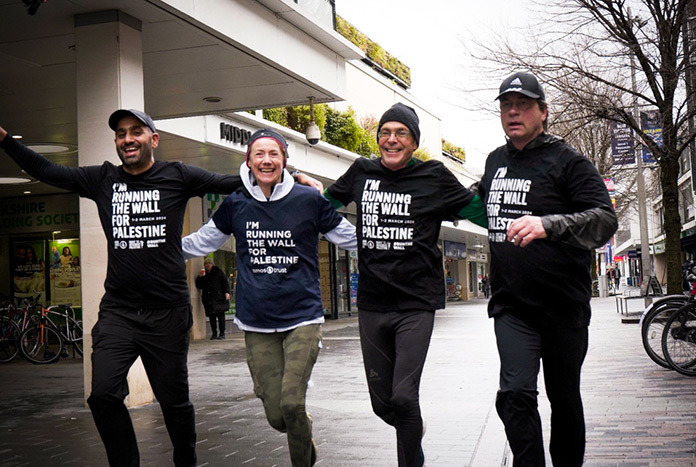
x,y
587,51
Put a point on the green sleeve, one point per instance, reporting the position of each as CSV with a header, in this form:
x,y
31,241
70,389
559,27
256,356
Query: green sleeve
x,y
475,211
334,202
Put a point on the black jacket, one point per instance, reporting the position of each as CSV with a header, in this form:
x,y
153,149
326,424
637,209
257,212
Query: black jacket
x,y
214,286
549,279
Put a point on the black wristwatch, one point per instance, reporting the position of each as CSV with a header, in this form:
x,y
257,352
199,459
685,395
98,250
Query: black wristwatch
x,y
295,174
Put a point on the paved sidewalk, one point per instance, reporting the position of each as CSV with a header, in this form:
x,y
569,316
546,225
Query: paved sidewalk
x,y
637,413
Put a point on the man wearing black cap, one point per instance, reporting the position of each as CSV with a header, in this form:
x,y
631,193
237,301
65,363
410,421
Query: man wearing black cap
x,y
548,208
401,203
145,311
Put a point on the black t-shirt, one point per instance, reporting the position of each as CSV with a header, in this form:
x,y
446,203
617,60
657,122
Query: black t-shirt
x,y
546,280
399,217
142,217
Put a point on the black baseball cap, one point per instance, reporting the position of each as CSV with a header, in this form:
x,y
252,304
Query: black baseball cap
x,y
524,83
140,115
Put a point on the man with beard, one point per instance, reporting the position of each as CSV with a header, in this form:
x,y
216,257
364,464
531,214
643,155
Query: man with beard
x,y
145,311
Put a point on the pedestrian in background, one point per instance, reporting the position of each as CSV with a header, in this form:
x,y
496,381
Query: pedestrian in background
x,y
548,208
216,296
401,203
486,282
617,277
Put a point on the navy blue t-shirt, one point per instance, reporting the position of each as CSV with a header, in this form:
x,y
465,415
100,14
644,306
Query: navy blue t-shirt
x,y
277,254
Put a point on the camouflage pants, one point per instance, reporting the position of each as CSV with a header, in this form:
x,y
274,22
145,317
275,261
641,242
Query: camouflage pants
x,y
281,364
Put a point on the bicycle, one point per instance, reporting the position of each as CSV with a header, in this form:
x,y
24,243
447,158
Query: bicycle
x,y
14,319
654,318
679,340
652,324
47,341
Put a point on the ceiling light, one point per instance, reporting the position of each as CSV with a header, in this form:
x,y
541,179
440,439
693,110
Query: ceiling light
x,y
27,192
51,148
13,180
213,99
17,136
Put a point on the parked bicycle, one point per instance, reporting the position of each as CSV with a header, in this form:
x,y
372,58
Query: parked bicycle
x,y
14,319
679,340
655,317
652,324
48,341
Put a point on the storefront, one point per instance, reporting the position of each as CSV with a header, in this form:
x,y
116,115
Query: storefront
x,y
456,273
40,248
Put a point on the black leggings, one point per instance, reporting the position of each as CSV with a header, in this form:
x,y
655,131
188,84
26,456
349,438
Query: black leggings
x,y
394,347
562,352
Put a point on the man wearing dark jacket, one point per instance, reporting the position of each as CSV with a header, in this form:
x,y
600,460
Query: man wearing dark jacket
x,y
216,296
547,209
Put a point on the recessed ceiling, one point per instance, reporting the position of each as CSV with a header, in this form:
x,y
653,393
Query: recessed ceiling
x,y
182,65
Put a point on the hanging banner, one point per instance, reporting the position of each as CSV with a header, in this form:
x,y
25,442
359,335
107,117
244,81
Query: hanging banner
x,y
650,123
65,277
622,149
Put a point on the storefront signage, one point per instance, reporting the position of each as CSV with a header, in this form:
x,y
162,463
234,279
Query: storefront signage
x,y
39,214
234,134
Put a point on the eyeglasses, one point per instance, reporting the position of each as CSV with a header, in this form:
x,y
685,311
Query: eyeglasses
x,y
521,105
400,134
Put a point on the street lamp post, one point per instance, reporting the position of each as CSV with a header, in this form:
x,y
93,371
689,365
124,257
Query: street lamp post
x,y
642,210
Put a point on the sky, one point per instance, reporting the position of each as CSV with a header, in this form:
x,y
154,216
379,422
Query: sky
x,y
431,38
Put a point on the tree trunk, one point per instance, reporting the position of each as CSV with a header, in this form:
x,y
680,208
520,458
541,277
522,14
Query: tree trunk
x,y
672,222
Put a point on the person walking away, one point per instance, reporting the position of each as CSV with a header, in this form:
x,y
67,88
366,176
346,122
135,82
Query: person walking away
x,y
548,208
216,296
276,222
486,286
401,203
617,277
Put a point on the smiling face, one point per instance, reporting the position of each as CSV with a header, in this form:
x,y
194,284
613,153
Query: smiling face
x,y
135,144
266,161
396,150
522,118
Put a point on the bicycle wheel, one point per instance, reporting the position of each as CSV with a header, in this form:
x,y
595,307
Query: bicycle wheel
x,y
76,335
41,344
679,341
9,339
652,325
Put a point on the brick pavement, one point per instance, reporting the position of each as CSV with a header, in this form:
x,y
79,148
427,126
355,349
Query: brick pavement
x,y
637,413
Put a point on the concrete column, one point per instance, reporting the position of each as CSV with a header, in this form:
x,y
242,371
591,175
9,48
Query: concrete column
x,y
192,222
109,76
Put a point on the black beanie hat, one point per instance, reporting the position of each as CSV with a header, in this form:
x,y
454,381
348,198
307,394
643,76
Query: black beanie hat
x,y
268,133
403,114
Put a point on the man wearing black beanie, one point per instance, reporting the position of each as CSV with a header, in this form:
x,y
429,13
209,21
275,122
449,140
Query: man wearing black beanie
x,y
401,202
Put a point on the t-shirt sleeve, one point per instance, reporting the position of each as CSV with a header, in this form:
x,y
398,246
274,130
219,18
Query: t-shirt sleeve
x,y
224,216
342,189
327,217
82,180
453,194
201,181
